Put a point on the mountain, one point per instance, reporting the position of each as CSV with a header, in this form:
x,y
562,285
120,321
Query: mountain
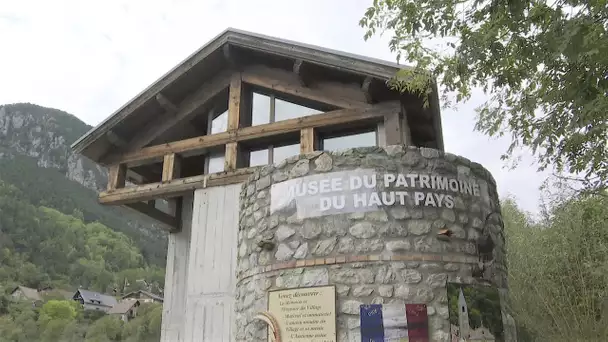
x,y
35,158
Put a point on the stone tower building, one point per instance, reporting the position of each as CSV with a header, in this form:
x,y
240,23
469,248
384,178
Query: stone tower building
x,y
305,199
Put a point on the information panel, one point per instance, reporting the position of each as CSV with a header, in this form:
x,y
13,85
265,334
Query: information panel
x,y
305,314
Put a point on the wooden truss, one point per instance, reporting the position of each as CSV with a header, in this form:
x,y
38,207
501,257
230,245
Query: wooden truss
x,y
352,106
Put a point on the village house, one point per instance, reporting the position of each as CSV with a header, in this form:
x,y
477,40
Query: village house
x,y
126,309
26,293
94,301
143,296
38,296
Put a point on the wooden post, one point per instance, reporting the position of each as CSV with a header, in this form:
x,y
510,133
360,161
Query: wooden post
x,y
234,117
234,104
231,157
307,140
117,176
407,131
393,128
171,167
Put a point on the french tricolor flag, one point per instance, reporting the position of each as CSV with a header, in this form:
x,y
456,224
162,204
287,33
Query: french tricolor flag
x,y
394,323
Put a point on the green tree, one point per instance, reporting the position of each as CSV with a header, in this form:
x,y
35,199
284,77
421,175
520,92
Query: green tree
x,y
558,271
59,310
544,63
108,328
146,326
55,317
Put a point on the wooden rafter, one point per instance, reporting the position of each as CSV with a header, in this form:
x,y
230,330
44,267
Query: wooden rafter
x,y
199,145
166,103
115,140
366,88
289,83
299,68
185,111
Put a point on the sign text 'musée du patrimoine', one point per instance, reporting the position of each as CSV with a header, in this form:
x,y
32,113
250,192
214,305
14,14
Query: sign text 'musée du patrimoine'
x,y
366,190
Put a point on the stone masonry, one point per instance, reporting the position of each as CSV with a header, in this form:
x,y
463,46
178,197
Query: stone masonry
x,y
385,256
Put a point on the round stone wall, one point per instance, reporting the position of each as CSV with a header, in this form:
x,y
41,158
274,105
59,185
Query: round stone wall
x,y
420,219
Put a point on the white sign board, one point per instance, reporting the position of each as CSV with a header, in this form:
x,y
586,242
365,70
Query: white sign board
x,y
367,190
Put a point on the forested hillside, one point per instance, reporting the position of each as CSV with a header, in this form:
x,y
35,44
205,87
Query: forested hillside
x,y
35,157
54,233
42,246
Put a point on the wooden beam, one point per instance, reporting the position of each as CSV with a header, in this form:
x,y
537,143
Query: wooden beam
x,y
434,113
365,87
201,144
149,210
307,140
393,128
230,56
231,157
165,103
185,111
173,188
407,130
115,140
288,83
117,176
135,177
299,69
234,102
171,167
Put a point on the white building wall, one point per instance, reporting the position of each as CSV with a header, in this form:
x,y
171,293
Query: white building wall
x,y
176,277
201,268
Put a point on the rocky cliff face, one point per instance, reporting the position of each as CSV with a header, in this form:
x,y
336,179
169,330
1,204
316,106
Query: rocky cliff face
x,y
35,156
46,134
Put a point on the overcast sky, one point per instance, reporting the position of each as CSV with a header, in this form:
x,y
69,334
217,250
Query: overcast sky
x,y
88,58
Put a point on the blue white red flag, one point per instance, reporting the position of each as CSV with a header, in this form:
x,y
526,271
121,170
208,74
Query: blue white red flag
x,y
394,323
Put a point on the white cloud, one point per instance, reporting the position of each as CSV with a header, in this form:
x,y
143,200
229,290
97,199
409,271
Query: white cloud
x,y
89,58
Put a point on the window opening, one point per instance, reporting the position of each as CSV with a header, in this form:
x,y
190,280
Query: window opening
x,y
350,140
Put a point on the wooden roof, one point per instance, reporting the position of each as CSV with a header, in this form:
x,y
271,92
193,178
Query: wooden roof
x,y
206,63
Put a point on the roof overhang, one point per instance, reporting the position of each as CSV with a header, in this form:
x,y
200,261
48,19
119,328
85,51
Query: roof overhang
x,y
193,68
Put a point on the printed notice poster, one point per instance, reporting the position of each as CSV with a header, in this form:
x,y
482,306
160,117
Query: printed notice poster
x,y
305,314
394,322
486,322
365,190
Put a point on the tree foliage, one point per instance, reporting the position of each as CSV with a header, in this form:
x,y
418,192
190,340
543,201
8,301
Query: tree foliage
x,y
50,188
40,246
544,64
64,321
558,271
